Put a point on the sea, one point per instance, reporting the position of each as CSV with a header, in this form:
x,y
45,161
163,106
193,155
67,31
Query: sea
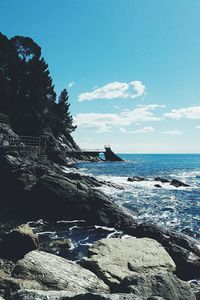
x,y
168,206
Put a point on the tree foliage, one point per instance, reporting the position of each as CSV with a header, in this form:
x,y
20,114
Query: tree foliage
x,y
26,90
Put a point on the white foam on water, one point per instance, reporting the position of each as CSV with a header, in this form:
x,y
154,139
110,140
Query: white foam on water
x,y
129,186
69,222
46,232
104,228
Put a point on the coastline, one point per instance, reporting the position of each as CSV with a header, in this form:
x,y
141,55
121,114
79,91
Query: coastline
x,y
44,191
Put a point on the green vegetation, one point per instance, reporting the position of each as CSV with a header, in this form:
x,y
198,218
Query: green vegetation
x,y
26,90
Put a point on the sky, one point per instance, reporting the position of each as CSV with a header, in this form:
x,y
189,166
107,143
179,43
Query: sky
x,y
131,67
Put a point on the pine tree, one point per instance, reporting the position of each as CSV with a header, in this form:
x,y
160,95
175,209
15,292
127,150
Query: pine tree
x,y
27,92
64,119
35,92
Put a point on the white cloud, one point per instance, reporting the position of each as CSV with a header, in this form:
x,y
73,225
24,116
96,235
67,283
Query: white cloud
x,y
173,132
107,122
187,113
198,126
115,90
71,84
147,129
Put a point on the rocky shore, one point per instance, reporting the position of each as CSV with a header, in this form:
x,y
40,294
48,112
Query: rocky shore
x,y
151,263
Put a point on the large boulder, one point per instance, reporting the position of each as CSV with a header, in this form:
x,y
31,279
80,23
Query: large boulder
x,y
184,250
165,285
15,244
114,259
56,273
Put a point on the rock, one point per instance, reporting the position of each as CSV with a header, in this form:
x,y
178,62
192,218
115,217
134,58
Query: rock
x,y
41,295
114,259
53,272
165,285
106,297
10,285
64,200
184,250
163,180
178,183
136,178
6,267
64,295
111,156
158,185
15,244
59,247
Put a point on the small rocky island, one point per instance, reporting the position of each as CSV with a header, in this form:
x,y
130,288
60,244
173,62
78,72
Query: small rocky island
x,y
147,263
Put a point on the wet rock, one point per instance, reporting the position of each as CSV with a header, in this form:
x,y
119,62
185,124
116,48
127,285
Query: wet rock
x,y
136,178
56,273
59,247
178,183
158,185
163,180
15,244
114,259
165,285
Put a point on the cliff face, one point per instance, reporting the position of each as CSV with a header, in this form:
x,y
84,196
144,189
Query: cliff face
x,y
62,150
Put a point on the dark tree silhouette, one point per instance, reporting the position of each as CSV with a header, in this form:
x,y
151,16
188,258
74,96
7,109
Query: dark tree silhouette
x,y
26,89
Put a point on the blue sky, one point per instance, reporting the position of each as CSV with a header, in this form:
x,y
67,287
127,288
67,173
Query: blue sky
x,y
132,67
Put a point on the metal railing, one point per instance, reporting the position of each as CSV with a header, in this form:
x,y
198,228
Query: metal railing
x,y
4,119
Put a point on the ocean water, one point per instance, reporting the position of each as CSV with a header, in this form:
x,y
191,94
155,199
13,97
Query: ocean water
x,y
176,208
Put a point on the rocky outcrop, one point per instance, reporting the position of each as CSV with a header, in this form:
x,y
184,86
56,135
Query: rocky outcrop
x,y
165,285
38,185
63,295
178,183
15,244
163,180
111,156
55,273
58,247
136,178
114,259
41,295
137,266
184,250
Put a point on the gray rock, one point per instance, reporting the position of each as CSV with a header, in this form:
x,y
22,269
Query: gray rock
x,y
158,185
136,178
178,183
166,285
184,250
53,272
114,259
15,244
10,285
163,180
63,295
41,295
106,297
